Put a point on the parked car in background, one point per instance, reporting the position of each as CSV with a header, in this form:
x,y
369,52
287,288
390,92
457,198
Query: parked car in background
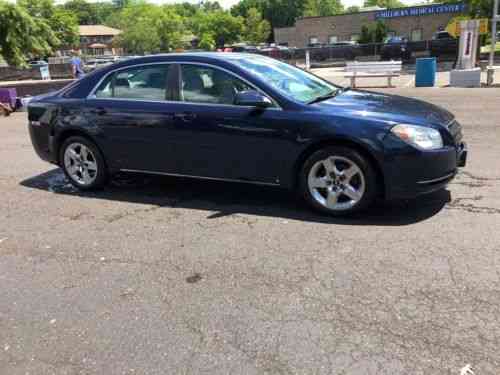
x,y
395,48
37,63
277,51
94,64
244,48
443,44
246,118
128,57
346,50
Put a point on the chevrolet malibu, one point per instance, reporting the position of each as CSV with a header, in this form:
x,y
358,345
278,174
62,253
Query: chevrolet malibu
x,y
246,118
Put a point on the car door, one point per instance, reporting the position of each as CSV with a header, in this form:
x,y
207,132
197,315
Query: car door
x,y
131,109
219,139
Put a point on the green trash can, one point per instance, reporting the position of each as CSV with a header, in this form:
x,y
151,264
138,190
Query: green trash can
x,y
425,75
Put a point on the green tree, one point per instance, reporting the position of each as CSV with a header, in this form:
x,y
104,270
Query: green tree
x,y
256,30
170,28
225,28
103,11
210,6
22,36
322,8
38,8
365,36
384,3
148,28
85,12
352,9
63,23
375,32
243,6
65,26
279,13
185,10
475,8
207,42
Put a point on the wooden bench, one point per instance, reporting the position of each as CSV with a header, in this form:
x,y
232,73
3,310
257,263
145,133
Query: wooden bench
x,y
356,69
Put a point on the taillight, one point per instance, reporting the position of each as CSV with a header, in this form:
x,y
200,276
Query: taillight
x,y
35,112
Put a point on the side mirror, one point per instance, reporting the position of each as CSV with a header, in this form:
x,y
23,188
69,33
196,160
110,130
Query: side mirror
x,y
253,98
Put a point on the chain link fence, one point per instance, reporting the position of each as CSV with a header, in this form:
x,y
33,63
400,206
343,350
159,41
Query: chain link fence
x,y
443,50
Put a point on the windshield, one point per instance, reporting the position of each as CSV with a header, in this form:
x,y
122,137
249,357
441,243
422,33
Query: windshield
x,y
288,80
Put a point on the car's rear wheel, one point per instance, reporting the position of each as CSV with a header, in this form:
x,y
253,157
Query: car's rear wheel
x,y
83,163
338,181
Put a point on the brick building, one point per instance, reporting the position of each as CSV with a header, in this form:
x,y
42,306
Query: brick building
x,y
415,23
97,40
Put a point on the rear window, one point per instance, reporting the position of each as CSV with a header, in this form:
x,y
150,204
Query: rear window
x,y
147,82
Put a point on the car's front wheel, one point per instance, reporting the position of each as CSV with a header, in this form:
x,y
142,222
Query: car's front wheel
x,y
83,163
338,181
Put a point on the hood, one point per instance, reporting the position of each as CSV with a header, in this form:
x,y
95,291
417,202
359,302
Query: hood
x,y
385,107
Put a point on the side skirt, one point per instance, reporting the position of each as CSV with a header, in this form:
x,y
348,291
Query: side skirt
x,y
201,177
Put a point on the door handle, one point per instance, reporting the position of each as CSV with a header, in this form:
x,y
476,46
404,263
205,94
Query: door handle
x,y
185,116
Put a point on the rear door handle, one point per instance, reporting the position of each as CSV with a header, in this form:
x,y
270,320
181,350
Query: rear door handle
x,y
185,116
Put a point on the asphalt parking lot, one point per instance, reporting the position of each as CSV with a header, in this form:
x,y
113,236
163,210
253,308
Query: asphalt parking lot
x,y
170,276
405,80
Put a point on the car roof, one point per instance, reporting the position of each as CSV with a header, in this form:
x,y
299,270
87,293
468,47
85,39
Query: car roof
x,y
230,57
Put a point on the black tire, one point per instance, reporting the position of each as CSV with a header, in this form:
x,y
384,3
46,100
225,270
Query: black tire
x,y
371,187
101,176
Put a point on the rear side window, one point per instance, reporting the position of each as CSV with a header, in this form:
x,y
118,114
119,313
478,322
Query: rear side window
x,y
147,82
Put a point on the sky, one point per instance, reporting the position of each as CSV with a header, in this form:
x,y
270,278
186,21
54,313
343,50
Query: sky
x,y
226,4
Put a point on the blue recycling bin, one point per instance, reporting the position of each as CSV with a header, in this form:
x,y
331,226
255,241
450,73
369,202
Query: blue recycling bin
x,y
425,75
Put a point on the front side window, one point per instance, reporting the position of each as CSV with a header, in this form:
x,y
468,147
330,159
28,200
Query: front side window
x,y
202,84
141,83
290,81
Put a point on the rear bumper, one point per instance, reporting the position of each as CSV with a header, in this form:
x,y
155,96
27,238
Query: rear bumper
x,y
42,141
410,174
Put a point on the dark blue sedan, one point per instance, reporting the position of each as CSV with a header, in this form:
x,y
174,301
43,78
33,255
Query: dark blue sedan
x,y
246,118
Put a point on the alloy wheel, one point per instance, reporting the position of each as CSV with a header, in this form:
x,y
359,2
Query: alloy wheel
x,y
80,164
336,183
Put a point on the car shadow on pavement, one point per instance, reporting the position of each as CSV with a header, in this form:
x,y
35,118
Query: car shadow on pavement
x,y
224,199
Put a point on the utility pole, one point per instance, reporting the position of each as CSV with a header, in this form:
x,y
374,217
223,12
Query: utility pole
x,y
494,21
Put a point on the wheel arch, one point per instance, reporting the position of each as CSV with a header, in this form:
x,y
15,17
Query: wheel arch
x,y
73,132
345,142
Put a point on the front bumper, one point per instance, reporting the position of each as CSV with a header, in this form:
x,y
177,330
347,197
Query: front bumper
x,y
462,154
411,172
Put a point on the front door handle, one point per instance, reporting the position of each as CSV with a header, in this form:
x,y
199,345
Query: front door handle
x,y
185,116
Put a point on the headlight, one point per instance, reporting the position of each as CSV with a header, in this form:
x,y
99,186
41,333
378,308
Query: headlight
x,y
420,136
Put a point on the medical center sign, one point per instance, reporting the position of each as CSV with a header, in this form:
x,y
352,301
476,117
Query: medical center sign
x,y
421,11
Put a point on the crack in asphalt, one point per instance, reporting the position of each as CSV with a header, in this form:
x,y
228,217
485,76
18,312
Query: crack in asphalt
x,y
459,204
